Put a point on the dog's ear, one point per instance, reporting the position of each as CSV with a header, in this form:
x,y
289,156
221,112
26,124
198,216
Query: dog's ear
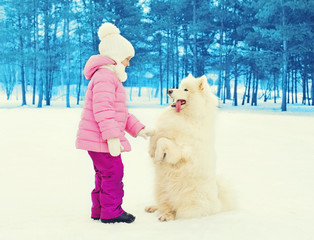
x,y
202,83
190,75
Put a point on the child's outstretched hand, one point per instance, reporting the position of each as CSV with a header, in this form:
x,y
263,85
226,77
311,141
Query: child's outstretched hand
x,y
146,132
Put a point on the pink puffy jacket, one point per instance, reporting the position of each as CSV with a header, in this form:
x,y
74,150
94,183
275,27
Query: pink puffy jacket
x,y
105,114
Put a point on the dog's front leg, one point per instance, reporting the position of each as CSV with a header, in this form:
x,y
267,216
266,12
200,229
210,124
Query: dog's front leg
x,y
167,151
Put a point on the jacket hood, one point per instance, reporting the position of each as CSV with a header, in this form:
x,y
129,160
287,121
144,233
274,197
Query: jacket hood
x,y
95,62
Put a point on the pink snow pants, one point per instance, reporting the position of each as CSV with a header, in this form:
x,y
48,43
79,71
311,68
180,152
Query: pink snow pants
x,y
108,193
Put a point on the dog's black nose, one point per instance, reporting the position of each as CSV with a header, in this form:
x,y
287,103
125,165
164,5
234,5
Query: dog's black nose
x,y
170,91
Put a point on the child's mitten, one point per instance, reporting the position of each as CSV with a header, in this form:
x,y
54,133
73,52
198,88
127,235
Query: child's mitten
x,y
114,146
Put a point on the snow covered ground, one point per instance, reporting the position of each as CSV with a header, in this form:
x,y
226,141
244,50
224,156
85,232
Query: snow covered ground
x,y
46,183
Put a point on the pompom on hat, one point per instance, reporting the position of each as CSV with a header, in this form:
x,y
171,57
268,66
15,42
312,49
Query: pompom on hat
x,y
112,44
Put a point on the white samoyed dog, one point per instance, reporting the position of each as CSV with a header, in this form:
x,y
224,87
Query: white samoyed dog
x,y
182,149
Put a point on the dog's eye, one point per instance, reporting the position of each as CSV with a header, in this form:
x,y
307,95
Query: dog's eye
x,y
186,89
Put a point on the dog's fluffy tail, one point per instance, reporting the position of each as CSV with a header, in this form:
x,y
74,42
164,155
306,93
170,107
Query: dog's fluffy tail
x,y
226,194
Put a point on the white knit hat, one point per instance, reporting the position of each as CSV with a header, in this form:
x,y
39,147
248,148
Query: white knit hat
x,y
112,44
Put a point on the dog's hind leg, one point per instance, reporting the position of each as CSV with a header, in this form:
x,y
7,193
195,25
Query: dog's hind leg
x,y
151,209
167,216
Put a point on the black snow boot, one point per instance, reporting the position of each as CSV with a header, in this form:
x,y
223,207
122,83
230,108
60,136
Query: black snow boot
x,y
124,218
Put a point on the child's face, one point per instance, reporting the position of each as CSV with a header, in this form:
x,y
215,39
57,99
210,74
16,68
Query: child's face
x,y
126,62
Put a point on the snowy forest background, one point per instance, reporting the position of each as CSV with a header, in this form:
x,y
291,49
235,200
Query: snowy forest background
x,y
251,51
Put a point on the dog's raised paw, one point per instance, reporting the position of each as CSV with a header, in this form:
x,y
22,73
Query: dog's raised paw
x,y
160,155
161,150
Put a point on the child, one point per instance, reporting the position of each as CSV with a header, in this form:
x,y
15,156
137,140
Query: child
x,y
104,120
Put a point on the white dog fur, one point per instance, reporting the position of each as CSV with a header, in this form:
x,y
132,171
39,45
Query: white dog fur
x,y
182,150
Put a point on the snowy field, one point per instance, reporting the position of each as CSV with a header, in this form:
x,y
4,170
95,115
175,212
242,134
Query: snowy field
x,y
46,183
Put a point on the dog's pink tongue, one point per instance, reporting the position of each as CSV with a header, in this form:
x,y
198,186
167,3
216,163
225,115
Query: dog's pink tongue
x,y
178,106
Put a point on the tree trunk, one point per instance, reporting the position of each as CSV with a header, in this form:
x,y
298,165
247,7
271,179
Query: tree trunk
x,y
177,60
304,80
131,94
185,56
67,33
288,87
254,89
22,64
249,88
292,85
227,78
307,90
246,87
167,66
275,88
95,40
46,49
173,46
35,35
194,39
41,90
220,84
284,63
312,87
235,90
80,68
296,85
159,38
139,91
